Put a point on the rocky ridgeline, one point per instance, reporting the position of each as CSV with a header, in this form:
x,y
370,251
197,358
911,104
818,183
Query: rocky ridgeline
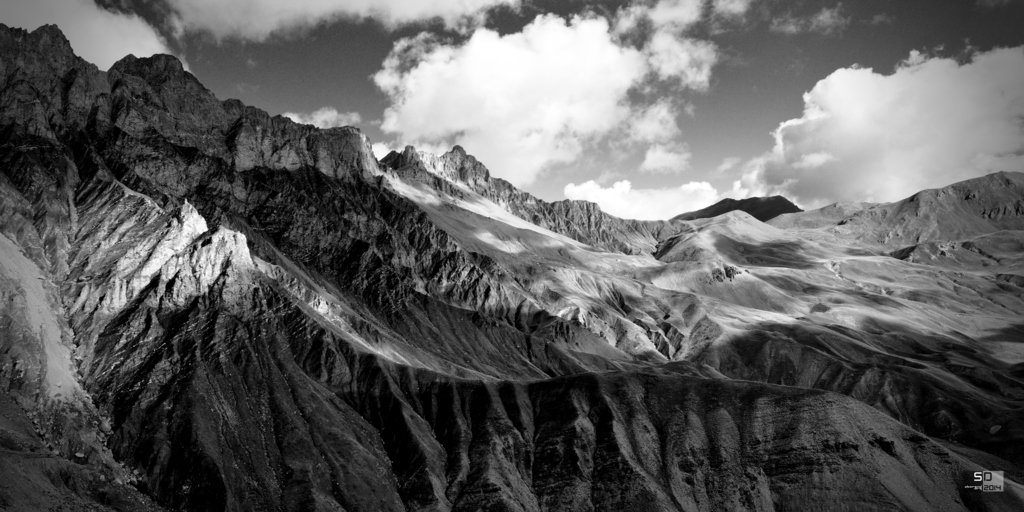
x,y
581,220
231,311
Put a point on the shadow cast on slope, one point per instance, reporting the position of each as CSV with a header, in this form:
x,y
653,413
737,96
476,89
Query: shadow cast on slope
x,y
936,384
1011,333
769,254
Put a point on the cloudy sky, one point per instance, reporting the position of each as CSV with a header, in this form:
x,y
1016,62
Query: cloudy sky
x,y
649,108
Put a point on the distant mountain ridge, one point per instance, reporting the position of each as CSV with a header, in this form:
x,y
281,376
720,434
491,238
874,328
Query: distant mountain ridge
x,y
986,204
761,208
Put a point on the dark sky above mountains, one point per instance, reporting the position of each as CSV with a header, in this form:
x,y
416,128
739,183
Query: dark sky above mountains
x,y
650,108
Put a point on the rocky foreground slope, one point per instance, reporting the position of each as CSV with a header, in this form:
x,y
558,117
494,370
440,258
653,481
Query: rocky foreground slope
x,y
204,307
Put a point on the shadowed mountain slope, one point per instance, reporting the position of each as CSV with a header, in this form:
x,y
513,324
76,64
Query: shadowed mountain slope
x,y
203,307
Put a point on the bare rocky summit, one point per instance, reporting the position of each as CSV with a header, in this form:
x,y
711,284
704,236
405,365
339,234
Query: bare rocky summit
x,y
204,307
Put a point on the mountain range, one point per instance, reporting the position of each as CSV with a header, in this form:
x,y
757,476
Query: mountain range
x,y
205,307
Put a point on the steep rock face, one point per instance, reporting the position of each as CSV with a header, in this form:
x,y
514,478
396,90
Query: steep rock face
x,y
176,105
47,95
669,440
261,317
40,65
761,208
205,410
255,140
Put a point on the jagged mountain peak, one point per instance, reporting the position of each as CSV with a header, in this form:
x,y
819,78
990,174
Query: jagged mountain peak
x,y
47,38
156,69
454,165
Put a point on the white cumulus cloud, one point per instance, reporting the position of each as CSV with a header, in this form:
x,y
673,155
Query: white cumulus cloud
x,y
666,158
728,163
326,117
825,21
655,123
866,136
676,14
812,160
528,101
687,60
380,150
533,100
258,19
97,35
521,101
622,200
731,7
670,54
